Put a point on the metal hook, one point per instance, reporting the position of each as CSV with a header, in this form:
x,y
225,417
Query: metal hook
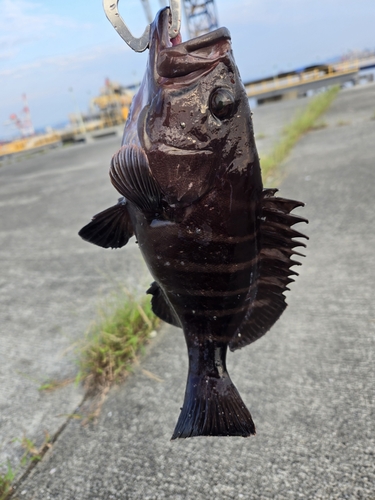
x,y
140,44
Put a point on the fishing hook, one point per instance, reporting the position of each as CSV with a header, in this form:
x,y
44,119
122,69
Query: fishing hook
x,y
140,44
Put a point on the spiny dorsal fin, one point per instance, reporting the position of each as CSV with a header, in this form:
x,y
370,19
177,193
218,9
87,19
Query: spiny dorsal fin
x,y
161,307
131,175
111,228
276,249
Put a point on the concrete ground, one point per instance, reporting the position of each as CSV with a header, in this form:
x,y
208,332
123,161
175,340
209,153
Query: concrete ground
x,y
270,120
309,383
51,283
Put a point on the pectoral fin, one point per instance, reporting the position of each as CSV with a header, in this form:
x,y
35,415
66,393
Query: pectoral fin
x,y
111,228
131,175
276,249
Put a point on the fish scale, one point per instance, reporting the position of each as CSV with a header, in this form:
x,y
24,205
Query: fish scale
x,y
217,244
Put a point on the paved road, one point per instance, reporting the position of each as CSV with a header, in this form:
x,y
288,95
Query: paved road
x,y
309,382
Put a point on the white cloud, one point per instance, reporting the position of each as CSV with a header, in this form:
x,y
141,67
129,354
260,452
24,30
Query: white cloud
x,y
270,12
71,61
23,22
249,12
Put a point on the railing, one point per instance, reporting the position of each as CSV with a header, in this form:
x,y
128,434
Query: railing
x,y
29,144
293,80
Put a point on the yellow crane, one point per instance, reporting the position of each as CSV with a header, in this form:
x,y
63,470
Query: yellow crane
x,y
113,103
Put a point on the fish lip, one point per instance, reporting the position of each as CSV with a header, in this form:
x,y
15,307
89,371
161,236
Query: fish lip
x,y
173,59
203,41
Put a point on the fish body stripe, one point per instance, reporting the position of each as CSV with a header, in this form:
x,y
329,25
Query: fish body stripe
x,y
187,301
199,236
180,265
191,282
209,292
215,313
212,254
203,230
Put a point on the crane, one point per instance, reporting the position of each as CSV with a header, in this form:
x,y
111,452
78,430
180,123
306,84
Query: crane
x,y
200,15
24,125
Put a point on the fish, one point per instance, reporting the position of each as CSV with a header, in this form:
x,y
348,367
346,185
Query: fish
x,y
218,245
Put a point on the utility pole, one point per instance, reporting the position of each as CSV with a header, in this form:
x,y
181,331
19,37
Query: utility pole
x,y
78,112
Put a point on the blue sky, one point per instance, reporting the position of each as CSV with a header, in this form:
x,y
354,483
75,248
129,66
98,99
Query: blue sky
x,y
47,47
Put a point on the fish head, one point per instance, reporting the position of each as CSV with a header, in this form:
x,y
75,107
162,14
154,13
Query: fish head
x,y
191,114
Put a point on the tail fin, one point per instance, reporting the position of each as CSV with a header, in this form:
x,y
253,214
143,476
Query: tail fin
x,y
213,407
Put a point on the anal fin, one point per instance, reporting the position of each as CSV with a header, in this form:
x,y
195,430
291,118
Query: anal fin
x,y
111,228
277,247
160,305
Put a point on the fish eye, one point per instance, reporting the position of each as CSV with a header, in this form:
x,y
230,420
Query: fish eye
x,y
222,103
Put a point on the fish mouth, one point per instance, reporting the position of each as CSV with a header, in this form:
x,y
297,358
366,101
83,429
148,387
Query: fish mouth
x,y
172,150
174,58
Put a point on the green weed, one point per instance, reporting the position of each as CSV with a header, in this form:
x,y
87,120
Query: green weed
x,y
261,135
6,482
318,125
303,122
53,385
114,340
342,123
31,455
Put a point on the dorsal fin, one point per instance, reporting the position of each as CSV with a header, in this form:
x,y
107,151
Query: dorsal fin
x,y
276,249
111,228
131,175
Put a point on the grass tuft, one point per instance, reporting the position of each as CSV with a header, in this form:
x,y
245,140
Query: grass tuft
x,y
303,122
6,482
31,455
114,340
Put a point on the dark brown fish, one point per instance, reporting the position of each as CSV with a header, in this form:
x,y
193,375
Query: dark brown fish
x,y
218,245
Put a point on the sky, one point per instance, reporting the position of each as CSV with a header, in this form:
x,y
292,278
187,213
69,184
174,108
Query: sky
x,y
60,52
